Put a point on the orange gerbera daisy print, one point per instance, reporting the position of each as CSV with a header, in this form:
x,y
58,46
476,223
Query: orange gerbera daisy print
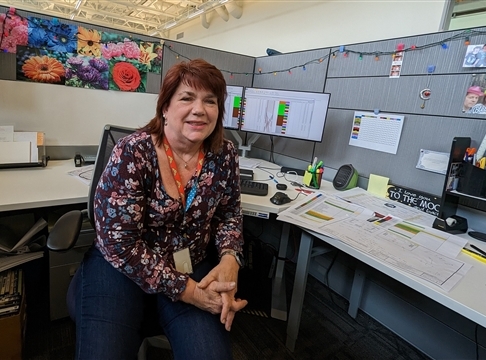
x,y
43,69
89,42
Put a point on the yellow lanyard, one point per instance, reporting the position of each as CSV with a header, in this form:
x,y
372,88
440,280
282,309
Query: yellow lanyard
x,y
177,176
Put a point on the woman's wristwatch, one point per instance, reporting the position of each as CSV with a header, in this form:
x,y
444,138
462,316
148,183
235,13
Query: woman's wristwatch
x,y
238,256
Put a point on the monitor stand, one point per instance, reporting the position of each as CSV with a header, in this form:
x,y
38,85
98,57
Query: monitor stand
x,y
244,147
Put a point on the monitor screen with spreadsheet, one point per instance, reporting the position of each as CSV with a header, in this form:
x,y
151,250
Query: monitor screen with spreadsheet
x,y
232,107
294,114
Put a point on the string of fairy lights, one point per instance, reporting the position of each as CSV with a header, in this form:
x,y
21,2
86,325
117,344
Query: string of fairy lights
x,y
345,52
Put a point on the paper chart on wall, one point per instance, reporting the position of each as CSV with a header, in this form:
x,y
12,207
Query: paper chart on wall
x,y
379,132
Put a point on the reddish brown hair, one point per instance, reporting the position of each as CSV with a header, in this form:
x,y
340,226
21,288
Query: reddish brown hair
x,y
199,74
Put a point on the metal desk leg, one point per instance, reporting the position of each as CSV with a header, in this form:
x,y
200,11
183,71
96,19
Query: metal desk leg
x,y
298,291
279,295
356,292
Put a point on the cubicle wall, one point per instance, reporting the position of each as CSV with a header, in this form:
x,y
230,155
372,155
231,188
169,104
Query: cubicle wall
x,y
364,85
237,69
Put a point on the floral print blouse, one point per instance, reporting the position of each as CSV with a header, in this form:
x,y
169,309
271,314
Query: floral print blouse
x,y
139,226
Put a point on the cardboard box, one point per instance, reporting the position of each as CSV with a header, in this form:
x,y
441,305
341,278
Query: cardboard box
x,y
12,333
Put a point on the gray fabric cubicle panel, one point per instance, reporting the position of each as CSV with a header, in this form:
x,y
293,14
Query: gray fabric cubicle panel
x,y
237,69
414,61
401,95
419,132
310,79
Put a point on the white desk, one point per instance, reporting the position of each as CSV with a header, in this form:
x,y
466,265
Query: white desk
x,y
467,298
29,188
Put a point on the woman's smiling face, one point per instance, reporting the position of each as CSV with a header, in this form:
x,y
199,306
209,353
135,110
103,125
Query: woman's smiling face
x,y
192,113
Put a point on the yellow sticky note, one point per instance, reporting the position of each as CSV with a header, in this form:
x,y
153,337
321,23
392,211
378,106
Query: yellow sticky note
x,y
377,185
307,178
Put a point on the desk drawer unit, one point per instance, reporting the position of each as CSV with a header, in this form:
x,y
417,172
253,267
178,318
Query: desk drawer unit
x,y
62,267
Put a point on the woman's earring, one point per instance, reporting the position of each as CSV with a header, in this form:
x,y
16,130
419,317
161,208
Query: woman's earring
x,y
165,120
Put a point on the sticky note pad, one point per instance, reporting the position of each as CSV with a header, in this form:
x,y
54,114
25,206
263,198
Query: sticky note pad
x,y
307,178
378,185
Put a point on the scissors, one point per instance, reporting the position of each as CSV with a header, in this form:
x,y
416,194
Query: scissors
x,y
305,191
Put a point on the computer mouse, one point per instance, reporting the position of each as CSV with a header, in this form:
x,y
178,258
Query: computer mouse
x,y
280,198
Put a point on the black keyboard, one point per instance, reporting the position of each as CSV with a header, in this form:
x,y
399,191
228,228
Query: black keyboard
x,y
250,187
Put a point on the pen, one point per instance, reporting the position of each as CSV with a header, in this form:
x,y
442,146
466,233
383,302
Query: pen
x,y
314,164
475,255
271,177
319,165
478,250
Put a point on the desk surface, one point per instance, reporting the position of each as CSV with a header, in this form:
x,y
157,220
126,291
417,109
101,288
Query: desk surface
x,y
30,188
52,186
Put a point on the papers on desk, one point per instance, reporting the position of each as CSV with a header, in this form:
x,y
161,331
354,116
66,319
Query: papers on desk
x,y
17,147
419,250
84,173
384,206
247,163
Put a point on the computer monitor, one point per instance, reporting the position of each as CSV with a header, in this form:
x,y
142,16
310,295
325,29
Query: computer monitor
x,y
288,113
232,107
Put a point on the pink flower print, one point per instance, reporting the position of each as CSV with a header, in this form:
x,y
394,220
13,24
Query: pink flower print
x,y
131,50
111,50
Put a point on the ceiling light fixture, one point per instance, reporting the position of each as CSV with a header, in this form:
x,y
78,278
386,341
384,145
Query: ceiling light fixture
x,y
223,1
195,13
170,24
78,4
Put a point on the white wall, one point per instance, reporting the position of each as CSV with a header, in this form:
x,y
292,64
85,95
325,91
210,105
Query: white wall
x,y
289,26
54,110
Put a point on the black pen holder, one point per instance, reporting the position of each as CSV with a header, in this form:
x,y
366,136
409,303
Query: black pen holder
x,y
472,180
458,226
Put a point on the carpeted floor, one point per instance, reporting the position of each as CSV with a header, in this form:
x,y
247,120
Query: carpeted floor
x,y
326,332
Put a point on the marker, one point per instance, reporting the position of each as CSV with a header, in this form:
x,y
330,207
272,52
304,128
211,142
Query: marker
x,y
319,165
475,255
478,250
314,164
274,180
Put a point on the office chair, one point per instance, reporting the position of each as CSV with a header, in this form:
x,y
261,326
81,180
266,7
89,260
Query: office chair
x,y
65,232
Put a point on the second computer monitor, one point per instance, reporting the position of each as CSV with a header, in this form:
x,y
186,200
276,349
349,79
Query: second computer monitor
x,y
295,114
232,107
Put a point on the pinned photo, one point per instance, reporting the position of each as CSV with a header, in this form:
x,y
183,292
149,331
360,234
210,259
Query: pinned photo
x,y
475,56
396,67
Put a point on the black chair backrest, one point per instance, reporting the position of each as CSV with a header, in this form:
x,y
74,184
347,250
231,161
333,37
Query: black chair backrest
x,y
109,138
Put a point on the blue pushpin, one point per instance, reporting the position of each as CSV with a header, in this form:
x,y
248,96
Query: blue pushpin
x,y
341,48
431,69
376,111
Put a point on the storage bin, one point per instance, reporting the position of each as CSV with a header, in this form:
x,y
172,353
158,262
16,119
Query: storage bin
x,y
472,180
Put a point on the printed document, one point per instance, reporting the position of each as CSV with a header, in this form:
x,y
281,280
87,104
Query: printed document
x,y
425,252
